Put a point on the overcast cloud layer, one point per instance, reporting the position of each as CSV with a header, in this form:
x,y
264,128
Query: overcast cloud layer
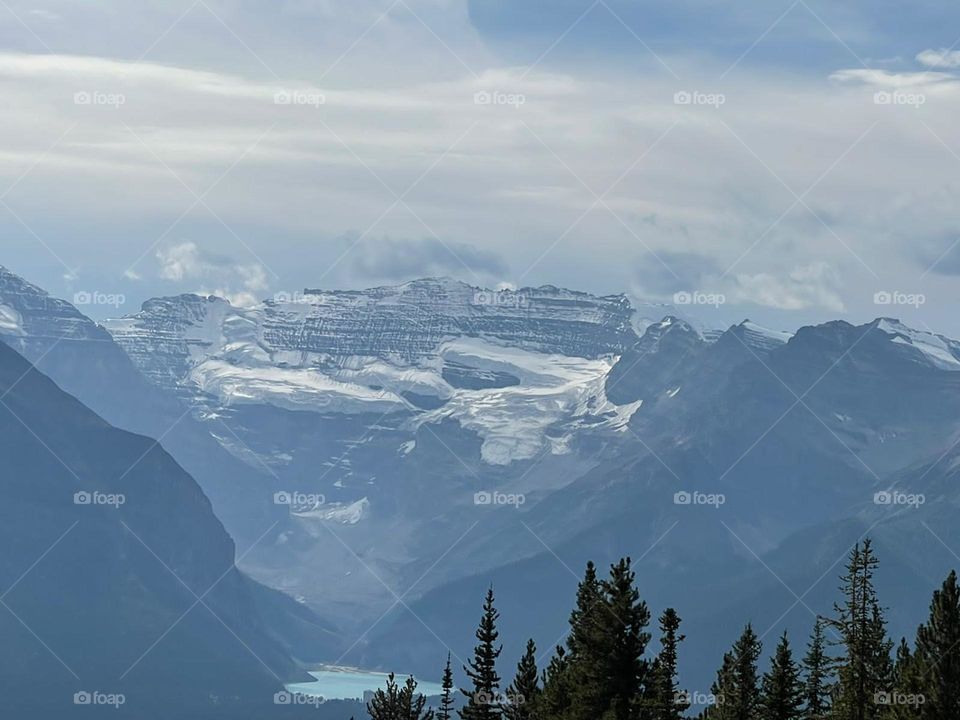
x,y
795,170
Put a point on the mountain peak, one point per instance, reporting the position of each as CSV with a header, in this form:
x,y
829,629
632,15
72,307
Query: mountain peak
x,y
756,337
11,282
939,351
27,311
669,324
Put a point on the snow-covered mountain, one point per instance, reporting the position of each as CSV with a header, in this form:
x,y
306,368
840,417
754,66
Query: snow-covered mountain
x,y
370,405
506,365
808,438
387,425
374,405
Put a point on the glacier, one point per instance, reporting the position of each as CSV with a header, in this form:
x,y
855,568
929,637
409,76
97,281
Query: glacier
x,y
506,365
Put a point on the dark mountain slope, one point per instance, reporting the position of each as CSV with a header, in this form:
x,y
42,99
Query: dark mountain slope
x,y
83,359
133,592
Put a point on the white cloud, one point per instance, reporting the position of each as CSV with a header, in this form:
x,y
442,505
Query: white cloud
x,y
238,298
804,287
234,281
882,78
942,58
507,180
180,261
44,14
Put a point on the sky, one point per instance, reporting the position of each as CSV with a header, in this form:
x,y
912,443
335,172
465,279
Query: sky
x,y
789,162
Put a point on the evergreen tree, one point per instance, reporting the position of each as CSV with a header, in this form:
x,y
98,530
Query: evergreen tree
x,y
625,630
938,651
665,701
817,675
607,641
555,698
524,691
736,691
881,646
399,703
746,692
782,689
907,682
720,689
865,668
483,702
588,651
446,698
588,598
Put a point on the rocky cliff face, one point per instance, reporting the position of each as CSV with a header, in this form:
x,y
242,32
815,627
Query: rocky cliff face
x,y
404,325
412,349
376,400
31,314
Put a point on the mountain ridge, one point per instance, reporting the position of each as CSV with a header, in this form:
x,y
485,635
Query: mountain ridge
x,y
378,404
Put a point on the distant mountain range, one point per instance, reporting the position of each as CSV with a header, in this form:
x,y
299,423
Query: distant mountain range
x,y
414,442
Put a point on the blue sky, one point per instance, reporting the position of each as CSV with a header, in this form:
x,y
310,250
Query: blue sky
x,y
796,159
808,37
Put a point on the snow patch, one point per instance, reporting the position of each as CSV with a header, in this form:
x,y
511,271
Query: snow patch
x,y
513,421
344,514
939,351
293,389
10,321
776,337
